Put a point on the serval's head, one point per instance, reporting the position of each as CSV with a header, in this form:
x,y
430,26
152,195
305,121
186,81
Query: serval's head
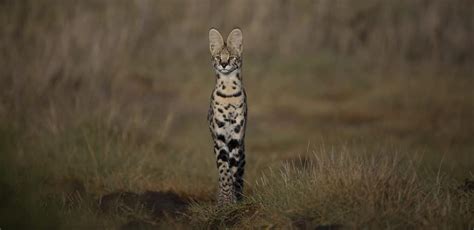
x,y
226,56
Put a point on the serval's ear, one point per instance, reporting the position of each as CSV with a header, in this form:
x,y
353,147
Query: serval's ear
x,y
216,42
234,41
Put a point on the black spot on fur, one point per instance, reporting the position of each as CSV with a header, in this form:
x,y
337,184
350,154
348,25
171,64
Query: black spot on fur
x,y
235,83
237,129
223,86
241,122
232,121
219,123
221,138
218,93
233,144
233,87
240,168
232,162
220,110
222,155
241,172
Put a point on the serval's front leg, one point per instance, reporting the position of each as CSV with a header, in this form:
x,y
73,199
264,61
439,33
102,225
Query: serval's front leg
x,y
237,164
237,149
226,193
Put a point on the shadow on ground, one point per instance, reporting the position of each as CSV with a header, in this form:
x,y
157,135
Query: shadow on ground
x,y
156,206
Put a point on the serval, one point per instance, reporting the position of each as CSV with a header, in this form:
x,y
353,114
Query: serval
x,y
228,114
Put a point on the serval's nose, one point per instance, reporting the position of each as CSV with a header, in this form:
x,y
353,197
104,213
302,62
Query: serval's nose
x,y
224,64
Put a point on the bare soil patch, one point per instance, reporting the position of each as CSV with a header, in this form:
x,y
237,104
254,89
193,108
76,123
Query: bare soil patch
x,y
157,203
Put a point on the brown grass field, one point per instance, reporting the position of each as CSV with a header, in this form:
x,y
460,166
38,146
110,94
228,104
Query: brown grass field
x,y
361,114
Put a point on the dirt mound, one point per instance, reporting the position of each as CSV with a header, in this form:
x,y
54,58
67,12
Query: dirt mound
x,y
137,225
157,203
163,202
305,223
468,186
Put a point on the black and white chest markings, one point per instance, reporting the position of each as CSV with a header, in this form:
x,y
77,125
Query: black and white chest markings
x,y
220,94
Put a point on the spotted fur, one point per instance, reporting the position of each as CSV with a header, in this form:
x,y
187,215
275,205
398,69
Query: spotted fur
x,y
228,114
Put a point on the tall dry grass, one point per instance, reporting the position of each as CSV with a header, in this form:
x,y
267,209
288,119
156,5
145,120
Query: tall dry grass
x,y
66,37
67,49
339,188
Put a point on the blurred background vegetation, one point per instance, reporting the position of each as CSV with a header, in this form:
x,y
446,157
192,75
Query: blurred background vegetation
x,y
105,96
